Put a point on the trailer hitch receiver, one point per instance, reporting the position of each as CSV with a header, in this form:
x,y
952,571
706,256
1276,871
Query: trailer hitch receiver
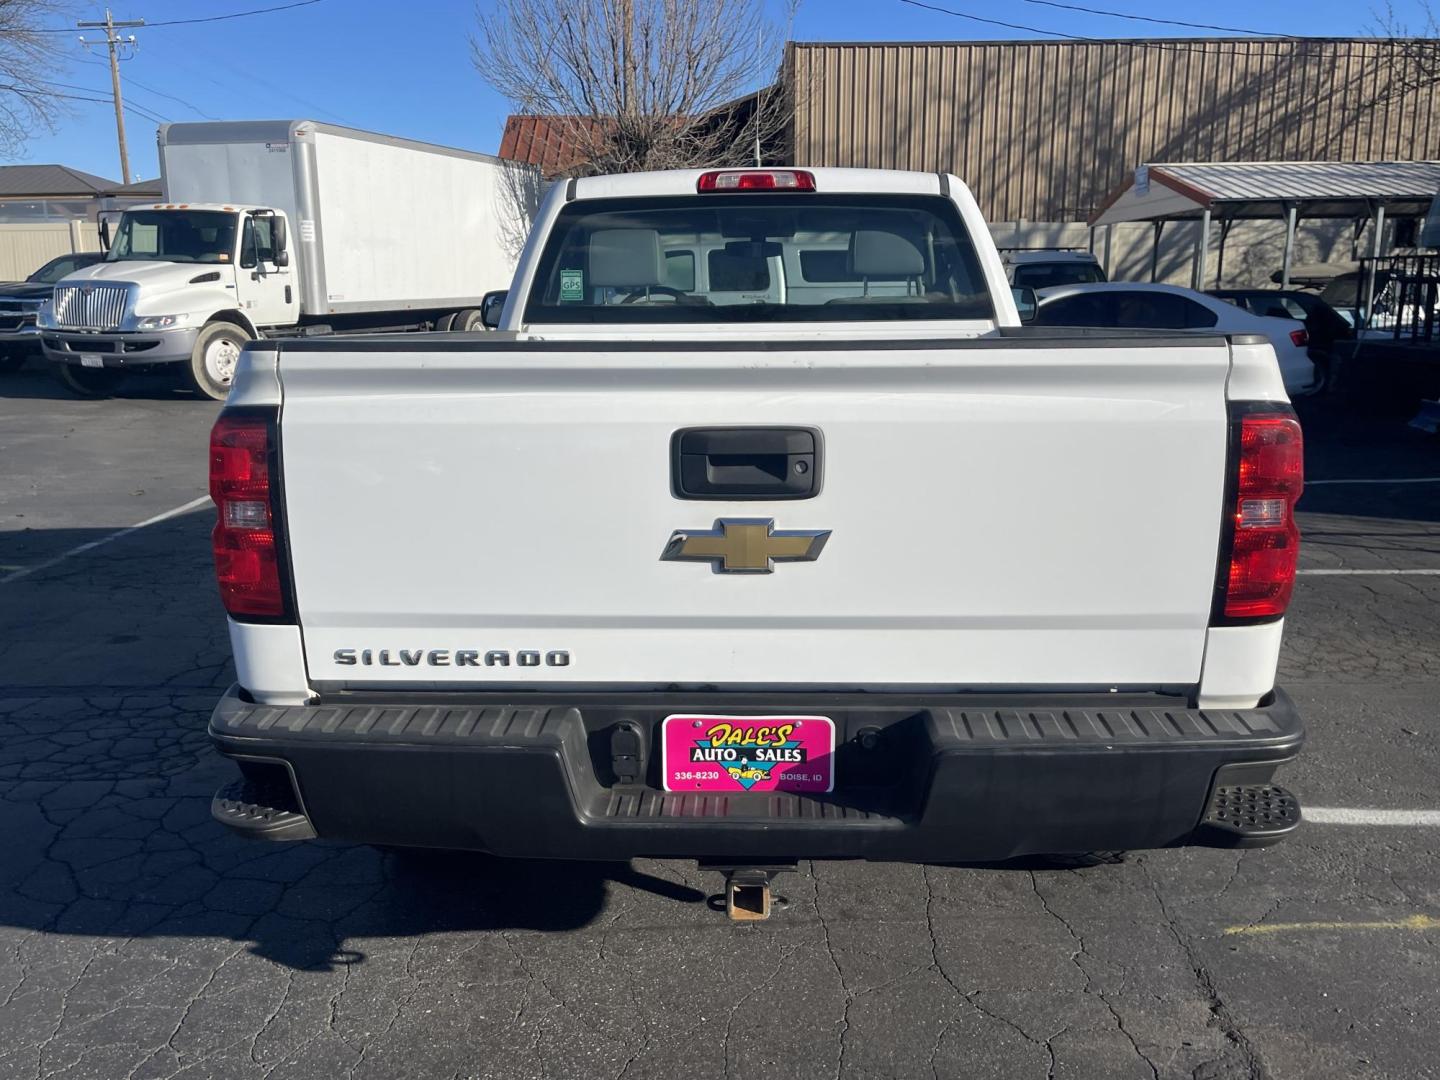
x,y
748,896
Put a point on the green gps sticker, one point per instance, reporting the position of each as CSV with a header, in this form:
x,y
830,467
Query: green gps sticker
x,y
572,285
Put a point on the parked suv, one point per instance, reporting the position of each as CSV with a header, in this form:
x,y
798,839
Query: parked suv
x,y
1047,268
20,300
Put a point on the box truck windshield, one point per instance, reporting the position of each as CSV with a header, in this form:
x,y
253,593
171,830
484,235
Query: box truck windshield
x,y
188,236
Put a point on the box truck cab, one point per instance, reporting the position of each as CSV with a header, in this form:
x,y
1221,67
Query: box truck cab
x,y
271,228
174,275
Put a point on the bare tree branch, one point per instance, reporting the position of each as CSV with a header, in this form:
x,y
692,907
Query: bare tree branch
x,y
1415,61
633,85
28,59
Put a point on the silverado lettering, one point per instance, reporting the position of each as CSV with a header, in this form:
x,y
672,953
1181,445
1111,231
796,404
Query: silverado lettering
x,y
443,657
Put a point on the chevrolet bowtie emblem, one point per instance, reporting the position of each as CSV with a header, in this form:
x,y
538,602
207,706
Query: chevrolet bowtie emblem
x,y
745,546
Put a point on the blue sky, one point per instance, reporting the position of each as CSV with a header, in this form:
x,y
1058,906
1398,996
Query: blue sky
x,y
404,68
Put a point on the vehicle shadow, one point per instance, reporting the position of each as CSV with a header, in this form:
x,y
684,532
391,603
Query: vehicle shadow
x,y
110,662
37,381
1343,443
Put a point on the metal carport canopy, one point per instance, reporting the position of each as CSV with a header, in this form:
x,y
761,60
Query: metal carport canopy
x,y
1234,191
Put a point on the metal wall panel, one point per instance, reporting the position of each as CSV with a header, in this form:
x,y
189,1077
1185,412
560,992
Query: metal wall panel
x,y
26,248
1043,130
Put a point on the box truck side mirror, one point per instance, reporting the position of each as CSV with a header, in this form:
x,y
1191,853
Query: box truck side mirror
x,y
279,237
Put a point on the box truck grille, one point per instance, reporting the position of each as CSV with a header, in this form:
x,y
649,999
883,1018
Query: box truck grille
x,y
90,307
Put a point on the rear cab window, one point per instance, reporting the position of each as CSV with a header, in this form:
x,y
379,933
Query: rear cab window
x,y
759,258
1130,310
1052,275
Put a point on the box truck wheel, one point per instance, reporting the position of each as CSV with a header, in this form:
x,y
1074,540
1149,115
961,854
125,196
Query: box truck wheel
x,y
213,360
467,319
88,382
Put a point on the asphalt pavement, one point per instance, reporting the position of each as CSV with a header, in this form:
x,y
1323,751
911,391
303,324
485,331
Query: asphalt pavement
x,y
140,940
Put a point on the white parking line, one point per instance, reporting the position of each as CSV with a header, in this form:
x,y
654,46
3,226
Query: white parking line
x,y
1351,815
193,504
1392,480
1335,573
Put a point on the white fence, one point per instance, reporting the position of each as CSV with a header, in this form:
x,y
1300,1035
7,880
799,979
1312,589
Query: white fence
x,y
25,248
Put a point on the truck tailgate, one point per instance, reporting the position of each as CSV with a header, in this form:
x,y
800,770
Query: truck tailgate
x,y
1002,512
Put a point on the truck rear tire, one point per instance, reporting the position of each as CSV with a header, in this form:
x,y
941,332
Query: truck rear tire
x,y
88,382
213,360
467,319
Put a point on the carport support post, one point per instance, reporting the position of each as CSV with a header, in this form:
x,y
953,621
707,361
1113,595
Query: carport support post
x,y
1226,224
1109,249
1366,312
1155,251
1290,215
1202,251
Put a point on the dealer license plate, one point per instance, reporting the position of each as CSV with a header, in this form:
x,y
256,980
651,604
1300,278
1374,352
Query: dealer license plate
x,y
91,360
748,753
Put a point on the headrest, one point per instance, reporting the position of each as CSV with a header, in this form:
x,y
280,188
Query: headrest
x,y
884,255
626,258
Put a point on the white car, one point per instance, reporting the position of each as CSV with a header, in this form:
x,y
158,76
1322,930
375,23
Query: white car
x,y
1138,305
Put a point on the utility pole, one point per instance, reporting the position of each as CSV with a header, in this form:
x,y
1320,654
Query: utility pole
x,y
112,42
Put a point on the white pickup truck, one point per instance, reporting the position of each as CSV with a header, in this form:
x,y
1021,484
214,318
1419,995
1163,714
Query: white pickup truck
x,y
761,530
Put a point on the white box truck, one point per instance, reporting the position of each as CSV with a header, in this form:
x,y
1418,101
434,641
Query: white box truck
x,y
270,228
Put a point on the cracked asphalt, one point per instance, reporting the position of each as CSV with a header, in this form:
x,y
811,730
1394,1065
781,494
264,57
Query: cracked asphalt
x,y
139,940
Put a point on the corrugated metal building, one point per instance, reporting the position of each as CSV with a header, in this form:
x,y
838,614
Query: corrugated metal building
x,y
1042,131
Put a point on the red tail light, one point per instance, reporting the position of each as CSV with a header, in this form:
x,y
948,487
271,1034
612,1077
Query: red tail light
x,y
1300,337
248,554
1266,540
756,180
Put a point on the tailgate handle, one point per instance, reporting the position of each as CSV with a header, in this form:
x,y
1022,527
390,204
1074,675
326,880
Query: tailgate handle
x,y
743,463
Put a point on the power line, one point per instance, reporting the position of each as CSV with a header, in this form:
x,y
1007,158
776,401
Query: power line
x,y
1153,19
178,100
155,114
1413,45
31,91
235,14
185,22
993,22
152,90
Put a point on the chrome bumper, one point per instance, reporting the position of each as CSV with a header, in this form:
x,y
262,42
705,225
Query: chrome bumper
x,y
26,333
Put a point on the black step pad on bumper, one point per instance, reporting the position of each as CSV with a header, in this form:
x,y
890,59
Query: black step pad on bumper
x,y
262,809
918,779
1250,815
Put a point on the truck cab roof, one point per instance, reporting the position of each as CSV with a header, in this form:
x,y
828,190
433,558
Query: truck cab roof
x,y
220,207
1017,256
686,181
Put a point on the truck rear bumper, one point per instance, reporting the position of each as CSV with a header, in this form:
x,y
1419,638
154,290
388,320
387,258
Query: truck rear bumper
x,y
936,780
121,349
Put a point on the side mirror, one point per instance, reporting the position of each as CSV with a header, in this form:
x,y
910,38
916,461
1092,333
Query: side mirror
x,y
278,235
491,307
1025,303
104,234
